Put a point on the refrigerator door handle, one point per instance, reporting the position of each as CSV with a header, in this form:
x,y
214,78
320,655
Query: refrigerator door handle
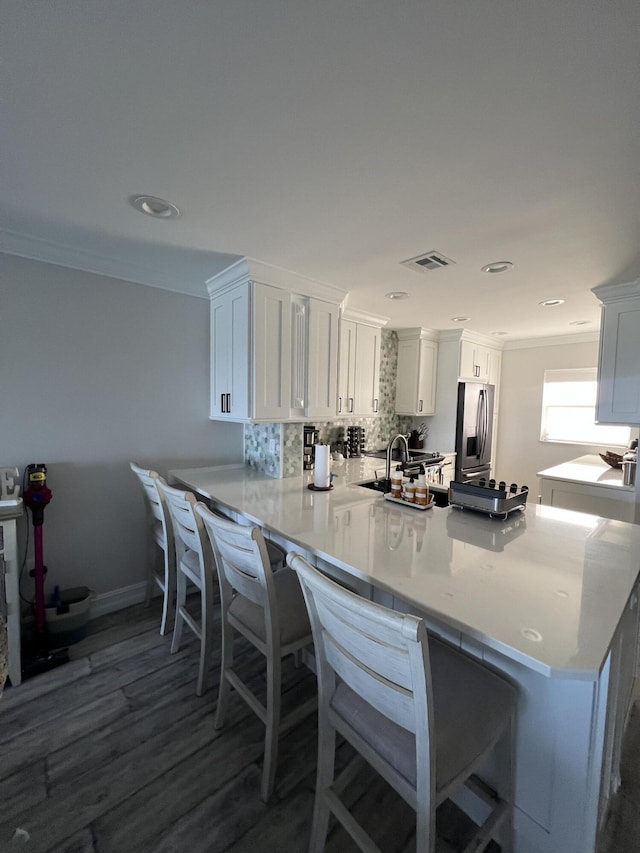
x,y
483,423
479,427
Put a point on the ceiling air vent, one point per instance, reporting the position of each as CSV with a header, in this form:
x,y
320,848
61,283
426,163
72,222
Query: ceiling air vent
x,y
428,261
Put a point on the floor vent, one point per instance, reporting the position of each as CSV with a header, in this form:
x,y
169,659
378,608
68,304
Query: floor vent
x,y
428,261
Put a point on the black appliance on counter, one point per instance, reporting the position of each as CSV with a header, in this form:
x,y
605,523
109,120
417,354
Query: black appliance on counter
x,y
310,438
474,426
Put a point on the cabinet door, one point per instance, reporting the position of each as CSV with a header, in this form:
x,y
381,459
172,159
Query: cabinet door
x,y
427,378
467,361
322,359
407,377
230,355
618,375
367,380
271,353
347,367
416,381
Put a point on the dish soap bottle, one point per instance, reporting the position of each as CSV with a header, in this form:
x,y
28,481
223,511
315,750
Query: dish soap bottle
x,y
422,490
396,483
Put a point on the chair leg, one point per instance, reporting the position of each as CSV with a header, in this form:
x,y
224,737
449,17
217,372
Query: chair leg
x,y
324,780
181,597
168,603
152,554
506,751
425,829
226,663
206,639
274,668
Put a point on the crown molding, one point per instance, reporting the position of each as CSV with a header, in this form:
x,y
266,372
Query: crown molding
x,y
248,269
468,335
553,341
71,257
616,292
365,318
418,333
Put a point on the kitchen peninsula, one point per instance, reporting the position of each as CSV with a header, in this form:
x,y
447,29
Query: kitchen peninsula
x,y
587,484
548,597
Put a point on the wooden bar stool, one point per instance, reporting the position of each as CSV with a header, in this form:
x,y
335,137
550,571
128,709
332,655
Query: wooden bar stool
x,y
423,715
195,564
268,609
160,542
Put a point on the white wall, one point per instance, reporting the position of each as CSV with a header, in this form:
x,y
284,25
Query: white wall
x,y
521,454
95,372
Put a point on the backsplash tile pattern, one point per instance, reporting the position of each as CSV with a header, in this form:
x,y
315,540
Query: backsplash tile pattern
x,y
292,441
257,439
287,461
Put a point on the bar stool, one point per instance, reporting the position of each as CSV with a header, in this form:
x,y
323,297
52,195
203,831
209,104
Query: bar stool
x,y
160,537
423,715
194,564
268,609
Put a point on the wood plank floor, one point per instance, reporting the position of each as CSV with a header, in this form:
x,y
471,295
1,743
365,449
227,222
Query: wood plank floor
x,y
113,752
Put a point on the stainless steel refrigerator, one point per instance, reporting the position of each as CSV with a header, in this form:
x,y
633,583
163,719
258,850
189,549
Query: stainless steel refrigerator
x,y
474,425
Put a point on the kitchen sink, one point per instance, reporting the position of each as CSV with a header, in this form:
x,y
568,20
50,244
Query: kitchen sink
x,y
440,498
376,485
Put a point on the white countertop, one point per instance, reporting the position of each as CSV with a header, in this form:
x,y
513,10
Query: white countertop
x,y
590,470
546,588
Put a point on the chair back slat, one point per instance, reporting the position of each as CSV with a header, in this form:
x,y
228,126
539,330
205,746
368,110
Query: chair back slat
x,y
153,502
366,641
188,528
241,555
380,654
395,702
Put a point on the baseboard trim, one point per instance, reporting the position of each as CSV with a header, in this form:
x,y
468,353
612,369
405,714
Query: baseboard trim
x,y
117,599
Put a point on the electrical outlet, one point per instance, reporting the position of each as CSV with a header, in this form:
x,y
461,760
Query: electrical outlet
x,y
273,445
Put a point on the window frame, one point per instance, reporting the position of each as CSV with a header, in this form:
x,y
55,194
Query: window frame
x,y
574,375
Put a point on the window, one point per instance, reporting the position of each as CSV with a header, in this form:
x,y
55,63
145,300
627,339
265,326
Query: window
x,y
569,410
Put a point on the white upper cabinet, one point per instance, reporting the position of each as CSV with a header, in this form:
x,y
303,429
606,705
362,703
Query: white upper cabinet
x,y
367,383
347,367
274,348
230,354
475,361
359,367
416,378
322,367
618,399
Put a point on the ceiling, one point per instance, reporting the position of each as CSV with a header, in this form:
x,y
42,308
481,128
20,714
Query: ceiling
x,y
335,139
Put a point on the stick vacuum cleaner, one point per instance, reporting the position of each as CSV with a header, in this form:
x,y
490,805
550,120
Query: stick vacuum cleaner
x,y
39,658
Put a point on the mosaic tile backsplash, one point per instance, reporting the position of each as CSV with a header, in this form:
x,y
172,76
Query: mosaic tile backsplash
x,y
286,461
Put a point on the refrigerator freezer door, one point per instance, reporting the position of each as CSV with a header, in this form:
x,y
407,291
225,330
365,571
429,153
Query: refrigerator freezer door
x,y
474,425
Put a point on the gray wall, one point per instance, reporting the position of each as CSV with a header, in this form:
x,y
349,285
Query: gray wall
x,y
95,372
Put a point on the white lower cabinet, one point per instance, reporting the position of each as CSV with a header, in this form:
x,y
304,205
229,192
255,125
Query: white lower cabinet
x,y
416,376
594,499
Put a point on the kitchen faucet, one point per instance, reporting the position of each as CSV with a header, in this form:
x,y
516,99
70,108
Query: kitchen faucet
x,y
390,450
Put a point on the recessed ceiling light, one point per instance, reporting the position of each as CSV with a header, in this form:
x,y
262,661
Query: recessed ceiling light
x,y
551,303
397,294
153,206
499,333
579,322
497,267
459,319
